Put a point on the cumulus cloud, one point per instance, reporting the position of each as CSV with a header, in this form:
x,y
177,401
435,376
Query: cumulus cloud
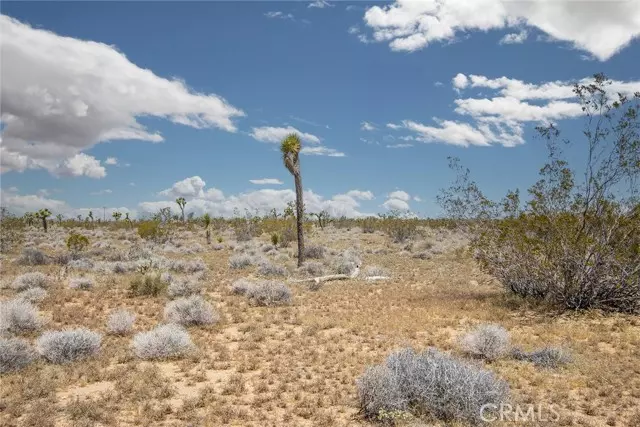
x,y
321,151
279,15
401,195
277,134
61,96
112,161
361,195
396,204
367,126
266,181
601,28
188,187
500,117
515,38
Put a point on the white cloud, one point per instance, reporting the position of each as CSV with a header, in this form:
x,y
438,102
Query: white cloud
x,y
367,126
401,195
321,151
400,146
396,204
515,38
79,165
394,126
601,28
320,4
101,192
266,181
361,195
61,96
279,15
188,187
112,161
460,81
417,198
19,204
277,134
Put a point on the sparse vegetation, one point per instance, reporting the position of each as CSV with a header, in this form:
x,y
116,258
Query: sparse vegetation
x,y
18,316
163,342
193,310
268,293
15,354
61,347
120,322
147,284
490,342
29,281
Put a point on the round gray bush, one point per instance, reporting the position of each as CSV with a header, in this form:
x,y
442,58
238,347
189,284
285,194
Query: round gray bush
x,y
489,342
378,390
18,316
83,283
240,286
268,269
240,261
189,311
183,288
268,293
165,341
32,256
32,295
67,346
15,354
120,322
30,280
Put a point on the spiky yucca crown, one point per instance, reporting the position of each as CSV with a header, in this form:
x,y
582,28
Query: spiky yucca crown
x,y
290,148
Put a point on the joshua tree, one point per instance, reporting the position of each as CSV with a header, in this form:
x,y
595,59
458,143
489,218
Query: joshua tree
x,y
91,216
207,223
59,218
181,204
323,218
43,214
290,148
116,215
79,218
28,218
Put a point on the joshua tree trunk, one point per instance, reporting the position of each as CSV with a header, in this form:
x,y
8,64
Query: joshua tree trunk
x,y
44,224
208,237
299,217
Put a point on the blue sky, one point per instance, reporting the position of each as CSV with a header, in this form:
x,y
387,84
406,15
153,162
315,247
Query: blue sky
x,y
383,92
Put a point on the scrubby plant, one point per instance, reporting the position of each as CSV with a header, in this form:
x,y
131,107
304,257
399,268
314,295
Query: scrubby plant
x,y
187,266
206,219
489,342
400,226
43,214
546,357
18,316
148,284
347,263
120,322
375,271
268,293
314,252
430,383
183,288
575,242
153,231
193,310
313,268
271,270
240,261
61,347
32,256
163,342
290,148
33,295
240,286
275,238
15,354
34,279
77,242
83,283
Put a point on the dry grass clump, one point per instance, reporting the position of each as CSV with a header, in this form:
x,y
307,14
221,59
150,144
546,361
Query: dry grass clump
x,y
546,357
240,286
148,284
83,283
163,342
490,342
268,293
271,270
431,383
15,354
34,279
183,288
18,316
32,295
120,322
193,310
67,346
240,261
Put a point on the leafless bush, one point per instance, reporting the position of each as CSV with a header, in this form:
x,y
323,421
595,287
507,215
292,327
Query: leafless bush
x,y
120,322
183,288
269,293
30,280
489,342
193,310
312,268
240,286
83,283
18,316
33,295
15,354
67,346
163,342
546,357
271,270
240,261
314,252
32,256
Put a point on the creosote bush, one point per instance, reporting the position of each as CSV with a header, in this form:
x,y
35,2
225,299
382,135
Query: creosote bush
x,y
120,322
15,354
30,280
163,342
18,316
490,342
32,256
148,284
268,293
193,310
429,383
61,347
77,242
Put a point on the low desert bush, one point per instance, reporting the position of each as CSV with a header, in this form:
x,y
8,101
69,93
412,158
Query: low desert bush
x,y
120,322
33,295
18,316
77,242
347,263
163,342
240,286
268,293
152,230
30,280
271,270
240,261
148,284
490,342
32,256
547,357
375,271
188,266
83,283
314,252
312,268
193,310
67,346
183,288
430,383
15,354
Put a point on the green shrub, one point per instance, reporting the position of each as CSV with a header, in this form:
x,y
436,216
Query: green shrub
x,y
274,239
148,284
152,230
77,242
